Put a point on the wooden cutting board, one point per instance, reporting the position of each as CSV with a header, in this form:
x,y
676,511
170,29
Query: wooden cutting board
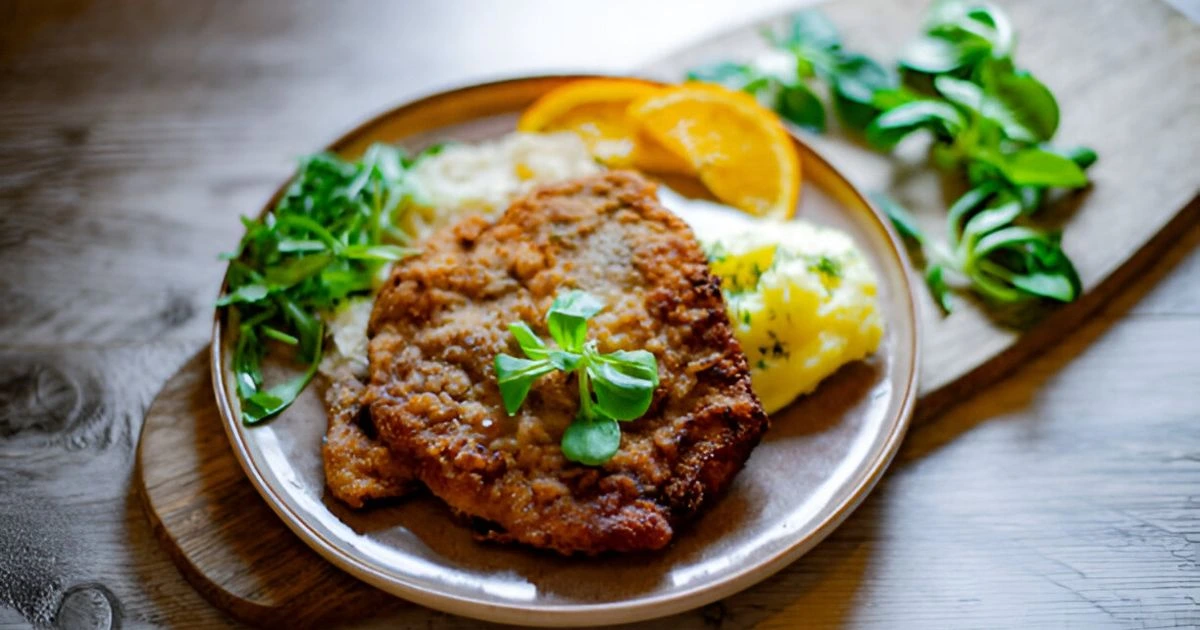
x,y
1142,121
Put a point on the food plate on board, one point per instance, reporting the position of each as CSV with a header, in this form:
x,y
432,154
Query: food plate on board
x,y
536,389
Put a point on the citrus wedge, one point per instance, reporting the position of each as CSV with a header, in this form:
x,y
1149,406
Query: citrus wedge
x,y
739,149
596,110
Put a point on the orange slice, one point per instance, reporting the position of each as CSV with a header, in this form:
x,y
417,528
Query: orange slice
x,y
596,110
739,148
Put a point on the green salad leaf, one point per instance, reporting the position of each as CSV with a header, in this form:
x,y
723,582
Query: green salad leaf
x,y
330,236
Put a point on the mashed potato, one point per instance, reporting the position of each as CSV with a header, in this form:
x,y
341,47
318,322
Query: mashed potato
x,y
802,301
484,178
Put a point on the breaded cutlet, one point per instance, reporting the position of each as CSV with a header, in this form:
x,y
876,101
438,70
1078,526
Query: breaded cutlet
x,y
443,316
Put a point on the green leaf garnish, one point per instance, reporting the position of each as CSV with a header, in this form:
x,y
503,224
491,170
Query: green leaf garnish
x,y
245,293
615,386
798,104
563,360
861,88
1083,157
567,318
624,383
937,55
515,376
894,125
1024,100
827,266
937,286
1037,167
261,405
530,343
327,239
591,441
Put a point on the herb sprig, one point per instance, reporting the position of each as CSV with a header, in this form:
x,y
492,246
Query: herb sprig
x,y
329,237
613,387
989,121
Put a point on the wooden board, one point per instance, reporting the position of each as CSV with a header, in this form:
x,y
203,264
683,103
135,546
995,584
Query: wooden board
x,y
1144,128
220,533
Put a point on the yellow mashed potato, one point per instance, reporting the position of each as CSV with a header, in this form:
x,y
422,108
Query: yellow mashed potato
x,y
802,300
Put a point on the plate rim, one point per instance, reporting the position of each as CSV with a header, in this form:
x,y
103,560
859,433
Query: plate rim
x,y
560,615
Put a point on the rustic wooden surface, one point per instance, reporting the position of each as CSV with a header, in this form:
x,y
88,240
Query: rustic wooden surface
x,y
221,534
133,134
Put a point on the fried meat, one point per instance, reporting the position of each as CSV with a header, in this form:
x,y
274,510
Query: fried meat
x,y
444,314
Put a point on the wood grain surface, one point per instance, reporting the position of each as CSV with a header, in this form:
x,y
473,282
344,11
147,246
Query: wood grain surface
x,y
217,529
133,134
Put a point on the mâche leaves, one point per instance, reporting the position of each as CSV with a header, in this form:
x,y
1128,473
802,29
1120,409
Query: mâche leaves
x,y
1083,157
624,383
731,75
530,343
1038,167
613,387
1025,101
935,280
936,55
857,88
892,126
957,36
989,122
798,104
591,441
567,318
515,376
329,237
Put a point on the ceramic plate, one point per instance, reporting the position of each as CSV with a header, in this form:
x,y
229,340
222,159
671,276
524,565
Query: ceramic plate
x,y
821,457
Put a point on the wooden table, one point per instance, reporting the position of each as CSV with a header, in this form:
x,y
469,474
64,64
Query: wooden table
x,y
131,136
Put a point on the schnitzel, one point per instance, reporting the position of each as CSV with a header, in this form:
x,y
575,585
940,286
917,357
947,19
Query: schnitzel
x,y
434,402
358,468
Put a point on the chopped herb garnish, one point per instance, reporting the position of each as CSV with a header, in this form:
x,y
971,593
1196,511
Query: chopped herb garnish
x,y
614,387
827,266
327,239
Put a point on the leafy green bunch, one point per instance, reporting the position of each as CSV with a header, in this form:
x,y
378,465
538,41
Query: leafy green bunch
x,y
613,387
329,237
989,122
808,50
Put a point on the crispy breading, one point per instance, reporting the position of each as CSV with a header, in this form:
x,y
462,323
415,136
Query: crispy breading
x,y
358,468
443,316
